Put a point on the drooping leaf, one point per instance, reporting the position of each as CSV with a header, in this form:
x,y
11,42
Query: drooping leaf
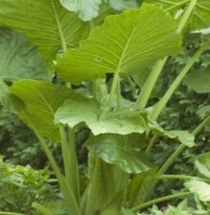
x,y
46,23
202,164
85,10
80,109
123,151
198,80
41,101
200,17
200,188
18,59
182,136
125,43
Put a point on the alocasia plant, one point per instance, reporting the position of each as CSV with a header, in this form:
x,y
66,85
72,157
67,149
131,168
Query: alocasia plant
x,y
121,175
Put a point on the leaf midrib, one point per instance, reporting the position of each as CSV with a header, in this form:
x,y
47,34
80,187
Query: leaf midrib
x,y
59,27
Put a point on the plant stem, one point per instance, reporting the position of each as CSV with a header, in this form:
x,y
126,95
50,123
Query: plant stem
x,y
157,69
150,83
180,148
151,143
181,177
70,159
160,199
164,100
114,87
186,15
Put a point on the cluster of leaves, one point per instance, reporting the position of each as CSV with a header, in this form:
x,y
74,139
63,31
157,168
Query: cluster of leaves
x,y
122,131
21,186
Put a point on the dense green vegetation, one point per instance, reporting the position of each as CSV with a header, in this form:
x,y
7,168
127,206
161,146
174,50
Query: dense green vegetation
x,y
104,107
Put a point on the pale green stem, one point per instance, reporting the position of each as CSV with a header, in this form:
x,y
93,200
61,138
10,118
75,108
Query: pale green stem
x,y
160,199
69,198
157,69
150,83
164,100
186,15
10,213
70,160
151,143
181,177
114,87
180,148
176,5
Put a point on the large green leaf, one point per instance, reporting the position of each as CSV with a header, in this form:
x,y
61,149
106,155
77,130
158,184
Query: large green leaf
x,y
125,43
18,59
86,10
80,109
198,80
41,100
123,151
202,164
200,188
46,23
200,17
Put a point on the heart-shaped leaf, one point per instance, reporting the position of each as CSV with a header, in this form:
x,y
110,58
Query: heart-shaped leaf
x,y
46,23
123,151
124,44
41,101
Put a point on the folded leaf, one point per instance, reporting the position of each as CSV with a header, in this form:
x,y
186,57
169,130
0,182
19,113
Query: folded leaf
x,y
46,23
80,109
125,43
123,151
41,101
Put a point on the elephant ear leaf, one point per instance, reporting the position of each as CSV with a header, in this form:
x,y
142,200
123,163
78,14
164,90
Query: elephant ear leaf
x,y
124,44
46,23
41,100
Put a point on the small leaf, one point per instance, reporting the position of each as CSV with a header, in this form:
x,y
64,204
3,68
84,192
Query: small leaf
x,y
198,81
123,151
80,109
202,164
126,43
41,101
200,188
184,137
86,11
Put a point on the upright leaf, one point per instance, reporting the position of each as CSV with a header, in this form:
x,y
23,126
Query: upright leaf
x,y
125,43
46,23
41,100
